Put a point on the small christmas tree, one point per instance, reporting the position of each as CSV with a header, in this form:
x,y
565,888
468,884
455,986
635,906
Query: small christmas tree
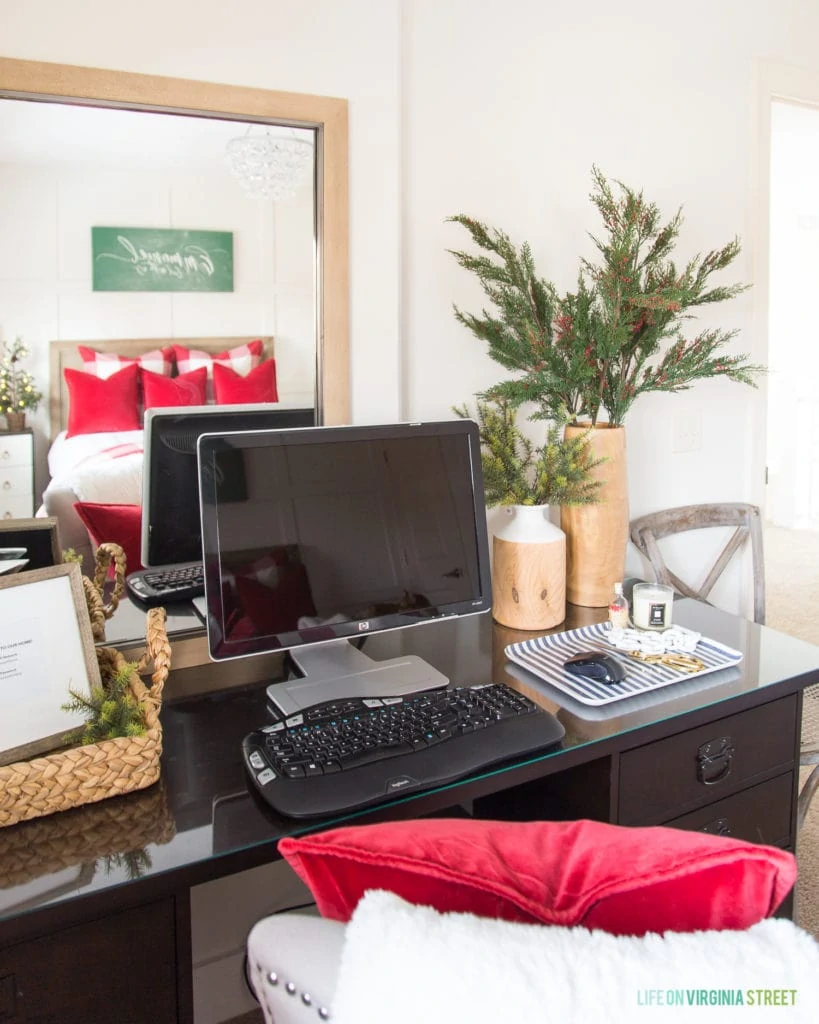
x,y
620,334
517,472
17,390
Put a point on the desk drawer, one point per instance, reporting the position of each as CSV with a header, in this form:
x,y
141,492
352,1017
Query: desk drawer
x,y
759,814
94,971
703,765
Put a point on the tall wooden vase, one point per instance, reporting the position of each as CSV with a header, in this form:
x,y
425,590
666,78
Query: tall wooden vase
x,y
597,535
529,570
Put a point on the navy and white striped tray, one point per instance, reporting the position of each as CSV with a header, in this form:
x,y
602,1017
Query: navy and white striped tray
x,y
544,657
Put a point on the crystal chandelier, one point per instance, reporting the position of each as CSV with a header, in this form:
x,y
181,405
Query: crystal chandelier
x,y
269,166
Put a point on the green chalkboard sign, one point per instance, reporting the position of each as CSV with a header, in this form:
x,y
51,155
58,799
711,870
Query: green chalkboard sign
x,y
161,260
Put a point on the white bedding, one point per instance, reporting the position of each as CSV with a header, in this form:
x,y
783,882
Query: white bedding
x,y
99,467
104,468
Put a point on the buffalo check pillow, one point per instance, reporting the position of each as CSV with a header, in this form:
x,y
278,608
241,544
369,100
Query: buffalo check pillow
x,y
104,364
241,359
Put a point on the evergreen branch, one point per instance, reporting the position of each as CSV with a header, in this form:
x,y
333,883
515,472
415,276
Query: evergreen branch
x,y
135,862
619,334
516,472
111,710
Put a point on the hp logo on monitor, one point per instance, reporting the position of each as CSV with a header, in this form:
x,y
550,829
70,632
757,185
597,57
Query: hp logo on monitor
x,y
363,626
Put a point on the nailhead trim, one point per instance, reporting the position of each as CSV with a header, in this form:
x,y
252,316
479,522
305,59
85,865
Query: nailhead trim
x,y
291,990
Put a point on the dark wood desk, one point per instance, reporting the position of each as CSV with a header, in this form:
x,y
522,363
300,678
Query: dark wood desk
x,y
95,903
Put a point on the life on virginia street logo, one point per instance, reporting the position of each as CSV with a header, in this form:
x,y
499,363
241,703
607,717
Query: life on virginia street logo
x,y
717,997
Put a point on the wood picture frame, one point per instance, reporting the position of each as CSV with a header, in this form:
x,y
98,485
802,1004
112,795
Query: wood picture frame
x,y
39,536
46,647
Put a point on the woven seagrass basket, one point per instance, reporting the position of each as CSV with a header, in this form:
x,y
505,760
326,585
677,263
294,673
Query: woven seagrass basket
x,y
83,775
109,560
85,837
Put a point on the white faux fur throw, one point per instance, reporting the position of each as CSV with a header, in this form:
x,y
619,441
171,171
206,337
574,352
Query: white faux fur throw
x,y
404,964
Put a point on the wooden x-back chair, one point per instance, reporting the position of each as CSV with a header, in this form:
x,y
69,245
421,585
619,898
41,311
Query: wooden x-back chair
x,y
746,522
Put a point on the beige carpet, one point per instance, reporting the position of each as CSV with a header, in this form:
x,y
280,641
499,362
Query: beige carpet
x,y
792,600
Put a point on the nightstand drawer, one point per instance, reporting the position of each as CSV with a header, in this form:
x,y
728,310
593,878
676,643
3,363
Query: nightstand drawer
x,y
703,765
16,450
759,814
16,507
15,481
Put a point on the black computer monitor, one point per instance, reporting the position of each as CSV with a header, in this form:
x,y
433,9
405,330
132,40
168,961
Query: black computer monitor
x,y
313,537
170,480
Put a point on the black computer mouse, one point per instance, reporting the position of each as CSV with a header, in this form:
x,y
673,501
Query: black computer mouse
x,y
596,666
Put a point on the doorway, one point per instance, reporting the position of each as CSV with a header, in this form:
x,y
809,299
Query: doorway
x,y
792,496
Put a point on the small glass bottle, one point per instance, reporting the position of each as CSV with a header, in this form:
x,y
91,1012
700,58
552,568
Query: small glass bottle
x,y
618,608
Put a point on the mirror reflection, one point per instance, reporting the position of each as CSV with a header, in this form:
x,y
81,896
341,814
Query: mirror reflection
x,y
66,169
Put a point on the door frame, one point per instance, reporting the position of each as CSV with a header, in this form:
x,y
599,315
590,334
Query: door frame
x,y
787,83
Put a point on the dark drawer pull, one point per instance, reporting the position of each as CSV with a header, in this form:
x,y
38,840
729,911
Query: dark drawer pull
x,y
717,827
714,761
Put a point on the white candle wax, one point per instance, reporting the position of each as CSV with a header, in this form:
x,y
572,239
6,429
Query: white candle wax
x,y
651,605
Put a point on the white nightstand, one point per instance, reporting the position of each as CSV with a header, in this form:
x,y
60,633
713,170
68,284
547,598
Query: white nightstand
x,y
16,474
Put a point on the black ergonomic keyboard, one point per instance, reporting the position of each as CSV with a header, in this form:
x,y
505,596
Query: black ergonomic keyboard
x,y
342,755
180,582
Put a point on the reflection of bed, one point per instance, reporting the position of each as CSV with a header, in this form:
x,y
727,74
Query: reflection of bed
x,y
102,467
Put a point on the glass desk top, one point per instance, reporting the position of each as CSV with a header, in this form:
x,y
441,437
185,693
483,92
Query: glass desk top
x,y
202,810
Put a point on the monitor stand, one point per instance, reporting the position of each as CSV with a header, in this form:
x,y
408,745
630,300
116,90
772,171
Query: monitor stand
x,y
337,669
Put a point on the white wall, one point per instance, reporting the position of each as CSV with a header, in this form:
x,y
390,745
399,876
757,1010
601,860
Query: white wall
x,y
509,105
498,110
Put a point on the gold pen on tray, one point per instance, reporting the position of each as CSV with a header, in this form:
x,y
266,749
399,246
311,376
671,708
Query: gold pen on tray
x,y
683,662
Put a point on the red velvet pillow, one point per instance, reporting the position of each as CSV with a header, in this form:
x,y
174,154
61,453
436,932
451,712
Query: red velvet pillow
x,y
117,524
231,388
627,881
96,405
186,389
274,592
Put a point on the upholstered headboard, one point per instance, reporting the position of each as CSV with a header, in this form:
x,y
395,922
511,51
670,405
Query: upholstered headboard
x,y
64,354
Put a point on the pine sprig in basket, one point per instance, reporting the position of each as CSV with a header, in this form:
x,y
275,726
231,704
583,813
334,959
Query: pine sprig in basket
x,y
111,710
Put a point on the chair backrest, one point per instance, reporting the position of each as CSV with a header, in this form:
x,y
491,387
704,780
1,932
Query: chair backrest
x,y
746,521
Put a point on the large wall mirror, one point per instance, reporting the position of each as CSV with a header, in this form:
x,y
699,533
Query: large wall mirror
x,y
103,139
178,109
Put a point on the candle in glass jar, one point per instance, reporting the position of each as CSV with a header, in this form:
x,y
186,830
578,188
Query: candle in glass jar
x,y
651,605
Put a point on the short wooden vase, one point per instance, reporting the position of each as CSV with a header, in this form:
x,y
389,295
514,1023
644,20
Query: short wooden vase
x,y
529,570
